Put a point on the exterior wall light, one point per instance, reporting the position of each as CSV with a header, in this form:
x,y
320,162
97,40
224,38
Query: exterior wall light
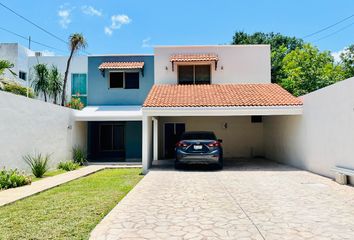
x,y
70,127
222,67
225,125
166,68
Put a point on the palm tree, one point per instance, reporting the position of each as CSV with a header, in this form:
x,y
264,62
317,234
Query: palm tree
x,y
40,83
55,83
6,65
76,42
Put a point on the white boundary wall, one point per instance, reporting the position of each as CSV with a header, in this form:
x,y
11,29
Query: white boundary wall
x,y
28,126
320,139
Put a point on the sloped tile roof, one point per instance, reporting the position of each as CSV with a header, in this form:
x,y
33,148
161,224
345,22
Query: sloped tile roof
x,y
121,65
194,57
220,95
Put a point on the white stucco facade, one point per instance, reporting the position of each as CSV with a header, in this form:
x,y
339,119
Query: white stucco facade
x,y
320,139
30,126
237,63
18,55
241,137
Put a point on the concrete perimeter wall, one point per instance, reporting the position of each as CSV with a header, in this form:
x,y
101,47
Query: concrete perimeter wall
x,y
320,139
30,126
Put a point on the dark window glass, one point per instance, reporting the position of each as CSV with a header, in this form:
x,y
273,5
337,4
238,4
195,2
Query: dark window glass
x,y
116,79
118,137
256,119
132,80
22,75
186,74
106,137
112,137
202,74
198,136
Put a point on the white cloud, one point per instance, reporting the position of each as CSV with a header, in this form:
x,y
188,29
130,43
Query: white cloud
x,y
89,10
108,31
117,21
336,55
64,14
146,43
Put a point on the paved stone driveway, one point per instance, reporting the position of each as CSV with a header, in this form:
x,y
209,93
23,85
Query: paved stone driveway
x,y
260,200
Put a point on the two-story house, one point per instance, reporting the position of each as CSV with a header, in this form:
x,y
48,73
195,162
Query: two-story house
x,y
138,105
225,89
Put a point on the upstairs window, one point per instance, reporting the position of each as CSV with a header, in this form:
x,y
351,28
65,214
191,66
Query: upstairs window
x,y
22,75
194,74
127,80
79,87
116,80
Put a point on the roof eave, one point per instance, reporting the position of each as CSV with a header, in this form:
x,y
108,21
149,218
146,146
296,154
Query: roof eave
x,y
224,111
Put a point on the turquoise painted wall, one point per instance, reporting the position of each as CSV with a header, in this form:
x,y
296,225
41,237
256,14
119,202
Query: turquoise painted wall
x,y
98,86
133,139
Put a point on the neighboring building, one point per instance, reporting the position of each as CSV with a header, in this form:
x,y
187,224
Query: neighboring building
x,y
77,76
18,55
24,59
117,88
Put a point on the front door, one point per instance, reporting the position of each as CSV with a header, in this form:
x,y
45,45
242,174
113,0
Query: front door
x,y
173,132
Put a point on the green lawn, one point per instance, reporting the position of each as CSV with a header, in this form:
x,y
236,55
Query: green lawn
x,y
69,211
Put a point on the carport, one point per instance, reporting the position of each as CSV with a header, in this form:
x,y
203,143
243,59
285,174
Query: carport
x,y
235,112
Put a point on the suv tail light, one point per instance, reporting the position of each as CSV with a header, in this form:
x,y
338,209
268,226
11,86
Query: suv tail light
x,y
214,144
181,144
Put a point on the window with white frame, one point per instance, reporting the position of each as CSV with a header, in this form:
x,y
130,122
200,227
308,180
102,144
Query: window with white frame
x,y
126,80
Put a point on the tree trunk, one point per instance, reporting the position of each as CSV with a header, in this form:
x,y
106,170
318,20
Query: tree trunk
x,y
55,99
45,96
66,76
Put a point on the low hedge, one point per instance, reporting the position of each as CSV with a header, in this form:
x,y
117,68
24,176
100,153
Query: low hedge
x,y
13,178
16,88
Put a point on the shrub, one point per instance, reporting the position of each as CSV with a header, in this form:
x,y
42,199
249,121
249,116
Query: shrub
x,y
17,89
38,164
79,155
12,179
75,103
68,166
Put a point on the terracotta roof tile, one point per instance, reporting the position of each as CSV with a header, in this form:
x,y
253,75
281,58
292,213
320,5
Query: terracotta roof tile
x,y
220,95
194,57
121,65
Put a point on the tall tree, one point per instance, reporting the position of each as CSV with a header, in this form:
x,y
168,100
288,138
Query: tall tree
x,y
280,46
307,69
347,60
55,83
76,42
40,83
6,65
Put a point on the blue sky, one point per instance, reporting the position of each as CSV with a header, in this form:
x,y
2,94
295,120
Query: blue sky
x,y
134,26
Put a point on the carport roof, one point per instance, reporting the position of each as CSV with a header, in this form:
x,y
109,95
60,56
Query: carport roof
x,y
220,95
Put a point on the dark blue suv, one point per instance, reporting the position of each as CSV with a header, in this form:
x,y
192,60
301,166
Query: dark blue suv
x,y
199,147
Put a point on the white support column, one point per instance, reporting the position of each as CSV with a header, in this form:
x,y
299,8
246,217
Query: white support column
x,y
155,139
147,143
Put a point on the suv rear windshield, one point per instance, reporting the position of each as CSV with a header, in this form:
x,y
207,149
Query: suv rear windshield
x,y
198,135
